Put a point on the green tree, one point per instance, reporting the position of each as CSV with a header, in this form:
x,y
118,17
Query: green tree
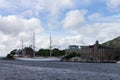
x,y
11,54
57,52
117,58
43,52
46,52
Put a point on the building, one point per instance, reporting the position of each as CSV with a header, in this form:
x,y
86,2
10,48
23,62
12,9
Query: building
x,y
99,53
95,53
73,49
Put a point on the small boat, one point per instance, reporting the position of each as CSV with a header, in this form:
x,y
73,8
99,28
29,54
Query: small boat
x,y
118,62
39,59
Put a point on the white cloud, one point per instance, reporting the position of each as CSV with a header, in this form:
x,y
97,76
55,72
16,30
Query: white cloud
x,y
33,8
76,29
99,31
13,28
89,33
103,29
36,6
113,4
10,24
97,17
94,16
69,40
14,24
4,4
54,6
113,18
73,19
4,44
55,9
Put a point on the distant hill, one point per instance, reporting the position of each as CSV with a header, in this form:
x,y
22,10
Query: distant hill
x,y
113,43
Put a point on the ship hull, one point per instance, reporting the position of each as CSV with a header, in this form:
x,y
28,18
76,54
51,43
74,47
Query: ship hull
x,y
39,59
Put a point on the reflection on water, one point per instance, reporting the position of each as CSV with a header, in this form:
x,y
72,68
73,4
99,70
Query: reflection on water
x,y
21,70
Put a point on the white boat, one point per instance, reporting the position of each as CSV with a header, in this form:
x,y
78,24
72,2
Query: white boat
x,y
39,59
118,62
25,58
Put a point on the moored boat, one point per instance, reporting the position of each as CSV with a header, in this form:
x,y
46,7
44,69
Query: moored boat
x,y
118,62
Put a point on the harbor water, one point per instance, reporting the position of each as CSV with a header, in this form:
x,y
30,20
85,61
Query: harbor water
x,y
36,70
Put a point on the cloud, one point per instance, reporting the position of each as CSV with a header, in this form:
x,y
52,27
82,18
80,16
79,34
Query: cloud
x,y
14,25
36,6
89,33
70,40
49,10
4,4
73,19
56,10
113,4
94,16
57,5
98,27
20,18
13,28
4,44
97,17
99,31
103,30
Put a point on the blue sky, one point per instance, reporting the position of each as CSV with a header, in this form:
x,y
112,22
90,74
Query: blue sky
x,y
79,22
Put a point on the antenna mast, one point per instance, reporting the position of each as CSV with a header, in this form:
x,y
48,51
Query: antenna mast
x,y
50,45
33,44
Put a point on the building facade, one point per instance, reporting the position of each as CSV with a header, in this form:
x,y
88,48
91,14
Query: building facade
x,y
95,53
99,53
73,49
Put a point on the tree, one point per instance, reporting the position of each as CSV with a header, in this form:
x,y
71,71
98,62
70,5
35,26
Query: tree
x,y
46,52
11,54
117,58
57,52
43,52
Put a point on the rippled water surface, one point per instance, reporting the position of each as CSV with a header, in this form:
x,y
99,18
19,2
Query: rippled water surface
x,y
25,70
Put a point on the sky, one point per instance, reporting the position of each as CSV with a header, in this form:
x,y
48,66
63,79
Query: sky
x,y
70,22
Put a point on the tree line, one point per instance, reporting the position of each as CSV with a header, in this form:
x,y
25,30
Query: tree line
x,y
41,52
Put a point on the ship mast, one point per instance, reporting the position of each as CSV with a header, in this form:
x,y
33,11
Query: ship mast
x,y
50,45
22,48
33,44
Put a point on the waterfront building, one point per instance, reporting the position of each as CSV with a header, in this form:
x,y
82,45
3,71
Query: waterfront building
x,y
99,53
95,53
73,49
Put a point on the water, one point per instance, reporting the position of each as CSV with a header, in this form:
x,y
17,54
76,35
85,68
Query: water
x,y
25,70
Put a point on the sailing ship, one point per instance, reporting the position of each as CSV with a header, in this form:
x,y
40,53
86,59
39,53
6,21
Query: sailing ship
x,y
34,58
